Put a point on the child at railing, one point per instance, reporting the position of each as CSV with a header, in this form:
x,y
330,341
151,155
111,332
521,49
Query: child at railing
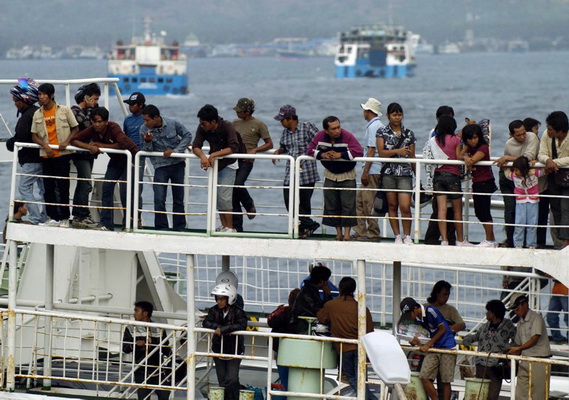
x,y
483,183
527,201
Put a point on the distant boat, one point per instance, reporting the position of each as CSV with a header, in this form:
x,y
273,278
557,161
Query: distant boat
x,y
380,51
448,48
149,65
518,46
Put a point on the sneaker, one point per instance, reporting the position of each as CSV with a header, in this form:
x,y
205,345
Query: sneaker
x,y
398,239
519,247
408,240
444,243
220,228
464,243
225,229
84,223
102,228
487,243
64,223
51,222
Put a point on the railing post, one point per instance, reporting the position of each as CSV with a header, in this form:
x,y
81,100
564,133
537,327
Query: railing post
x,y
417,194
187,189
129,211
11,339
361,267
136,194
292,220
49,265
396,290
466,208
294,196
191,340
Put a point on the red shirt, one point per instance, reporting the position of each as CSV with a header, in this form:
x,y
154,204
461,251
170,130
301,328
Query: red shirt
x,y
481,173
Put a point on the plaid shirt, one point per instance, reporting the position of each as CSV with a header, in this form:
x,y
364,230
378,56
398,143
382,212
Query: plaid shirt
x,y
295,144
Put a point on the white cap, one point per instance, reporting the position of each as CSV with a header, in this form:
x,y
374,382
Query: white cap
x,y
372,105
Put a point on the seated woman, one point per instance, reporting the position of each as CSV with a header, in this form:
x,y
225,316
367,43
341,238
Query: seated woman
x,y
396,141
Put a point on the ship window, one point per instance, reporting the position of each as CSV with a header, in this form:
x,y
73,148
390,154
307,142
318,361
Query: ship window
x,y
169,80
160,80
125,79
142,79
151,80
135,79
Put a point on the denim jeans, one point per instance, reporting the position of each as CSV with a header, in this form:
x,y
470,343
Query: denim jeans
x,y
241,196
507,187
557,303
116,170
57,190
559,206
175,174
83,188
36,212
526,214
350,371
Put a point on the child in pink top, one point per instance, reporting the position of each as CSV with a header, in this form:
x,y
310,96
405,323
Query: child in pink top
x,y
526,188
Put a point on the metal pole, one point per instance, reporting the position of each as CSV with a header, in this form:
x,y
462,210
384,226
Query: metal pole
x,y
49,265
225,263
187,189
417,195
191,340
361,268
136,189
12,285
396,293
129,212
294,196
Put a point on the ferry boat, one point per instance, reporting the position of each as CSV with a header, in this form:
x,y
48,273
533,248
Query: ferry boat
x,y
375,51
149,65
68,293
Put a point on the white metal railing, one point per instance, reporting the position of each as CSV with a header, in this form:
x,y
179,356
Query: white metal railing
x,y
57,347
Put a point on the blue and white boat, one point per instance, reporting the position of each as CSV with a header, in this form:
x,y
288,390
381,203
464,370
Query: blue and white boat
x,y
149,65
378,51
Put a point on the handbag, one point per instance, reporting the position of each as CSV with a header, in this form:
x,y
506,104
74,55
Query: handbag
x,y
561,177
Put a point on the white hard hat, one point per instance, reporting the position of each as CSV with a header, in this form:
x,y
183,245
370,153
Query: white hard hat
x,y
227,277
227,290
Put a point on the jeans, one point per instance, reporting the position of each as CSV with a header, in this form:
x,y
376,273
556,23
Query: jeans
x,y
116,170
83,188
227,372
57,190
350,371
241,196
559,206
526,214
305,208
507,187
557,303
36,212
170,173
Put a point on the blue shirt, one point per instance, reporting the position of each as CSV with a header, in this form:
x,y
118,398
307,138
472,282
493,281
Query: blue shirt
x,y
431,321
172,135
131,126
372,128
295,144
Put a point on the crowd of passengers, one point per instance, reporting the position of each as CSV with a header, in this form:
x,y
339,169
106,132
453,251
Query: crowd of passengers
x,y
319,307
529,193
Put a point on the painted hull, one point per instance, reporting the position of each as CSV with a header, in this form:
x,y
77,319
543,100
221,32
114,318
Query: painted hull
x,y
368,71
152,84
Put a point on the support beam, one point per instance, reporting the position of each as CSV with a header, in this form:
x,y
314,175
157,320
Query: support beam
x,y
49,272
361,270
225,263
191,340
396,291
11,340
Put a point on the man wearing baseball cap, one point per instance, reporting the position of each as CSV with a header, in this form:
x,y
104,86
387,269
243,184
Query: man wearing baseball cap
x,y
532,341
441,338
368,227
294,141
133,123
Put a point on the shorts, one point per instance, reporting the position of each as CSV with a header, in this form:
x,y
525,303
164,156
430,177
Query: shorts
x,y
225,194
447,182
398,182
482,203
438,363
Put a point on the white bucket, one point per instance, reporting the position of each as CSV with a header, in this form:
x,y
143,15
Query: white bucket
x,y
215,393
246,395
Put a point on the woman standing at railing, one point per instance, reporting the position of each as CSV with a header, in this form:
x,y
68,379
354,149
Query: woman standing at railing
x,y
483,183
446,182
396,141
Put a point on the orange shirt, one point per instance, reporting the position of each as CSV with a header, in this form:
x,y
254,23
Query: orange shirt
x,y
49,117
559,288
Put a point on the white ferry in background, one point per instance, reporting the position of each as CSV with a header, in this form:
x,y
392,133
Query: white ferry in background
x,y
380,51
149,65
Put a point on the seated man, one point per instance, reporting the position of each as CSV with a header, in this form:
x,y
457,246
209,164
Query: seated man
x,y
308,301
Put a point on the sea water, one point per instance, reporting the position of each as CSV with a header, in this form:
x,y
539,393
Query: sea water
x,y
498,86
